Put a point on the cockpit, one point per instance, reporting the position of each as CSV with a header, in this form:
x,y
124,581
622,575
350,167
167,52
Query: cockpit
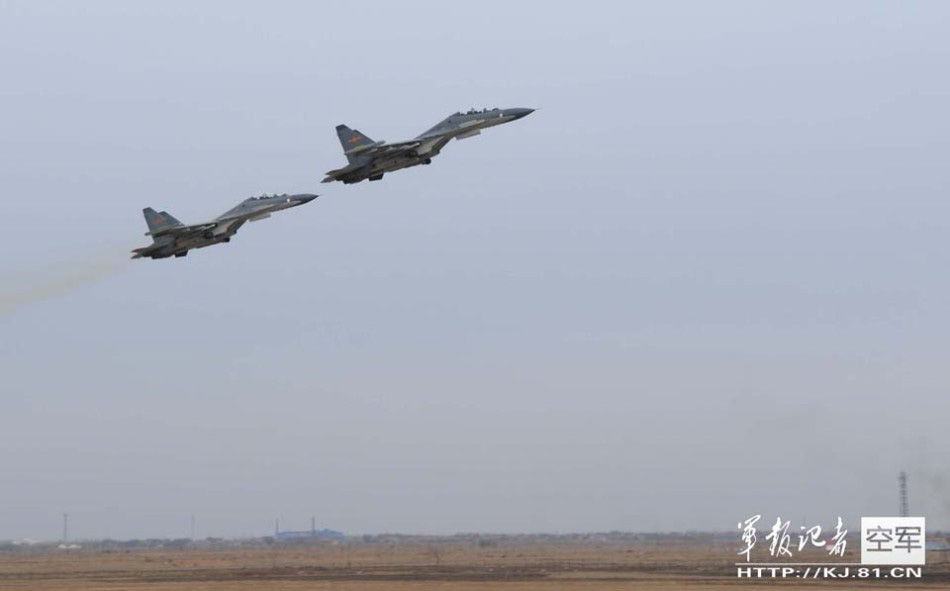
x,y
474,111
266,196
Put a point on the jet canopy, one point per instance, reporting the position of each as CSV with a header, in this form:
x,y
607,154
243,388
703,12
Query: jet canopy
x,y
266,196
474,111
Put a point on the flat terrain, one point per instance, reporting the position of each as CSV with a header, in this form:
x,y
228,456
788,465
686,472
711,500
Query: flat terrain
x,y
417,565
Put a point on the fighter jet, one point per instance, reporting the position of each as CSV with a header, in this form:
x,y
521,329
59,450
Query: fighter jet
x,y
370,160
172,238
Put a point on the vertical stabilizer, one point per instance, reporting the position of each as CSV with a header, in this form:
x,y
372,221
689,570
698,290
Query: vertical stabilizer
x,y
351,138
159,221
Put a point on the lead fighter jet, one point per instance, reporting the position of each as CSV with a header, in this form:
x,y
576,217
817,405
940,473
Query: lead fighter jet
x,y
370,160
172,238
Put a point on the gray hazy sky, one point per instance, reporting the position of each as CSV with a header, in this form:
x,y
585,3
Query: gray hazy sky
x,y
708,278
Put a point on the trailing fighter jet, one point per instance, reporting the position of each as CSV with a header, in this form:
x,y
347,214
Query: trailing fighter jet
x,y
172,238
370,160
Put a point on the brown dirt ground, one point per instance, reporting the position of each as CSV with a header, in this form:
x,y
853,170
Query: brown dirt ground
x,y
514,566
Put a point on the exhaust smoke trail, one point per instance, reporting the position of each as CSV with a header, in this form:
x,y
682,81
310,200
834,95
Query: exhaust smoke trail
x,y
50,283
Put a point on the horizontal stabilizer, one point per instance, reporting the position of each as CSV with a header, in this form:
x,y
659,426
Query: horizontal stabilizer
x,y
145,251
333,174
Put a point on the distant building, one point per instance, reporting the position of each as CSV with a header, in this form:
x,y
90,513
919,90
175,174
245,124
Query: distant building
x,y
309,534
312,534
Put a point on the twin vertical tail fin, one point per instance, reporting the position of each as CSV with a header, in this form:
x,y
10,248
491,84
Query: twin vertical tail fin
x,y
159,221
351,138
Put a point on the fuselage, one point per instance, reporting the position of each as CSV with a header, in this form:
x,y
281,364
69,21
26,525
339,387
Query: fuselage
x,y
428,144
225,225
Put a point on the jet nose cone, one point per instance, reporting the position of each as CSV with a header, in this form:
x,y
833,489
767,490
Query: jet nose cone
x,y
304,198
519,113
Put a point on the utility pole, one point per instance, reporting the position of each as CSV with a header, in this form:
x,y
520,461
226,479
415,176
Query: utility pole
x,y
902,483
192,526
65,527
